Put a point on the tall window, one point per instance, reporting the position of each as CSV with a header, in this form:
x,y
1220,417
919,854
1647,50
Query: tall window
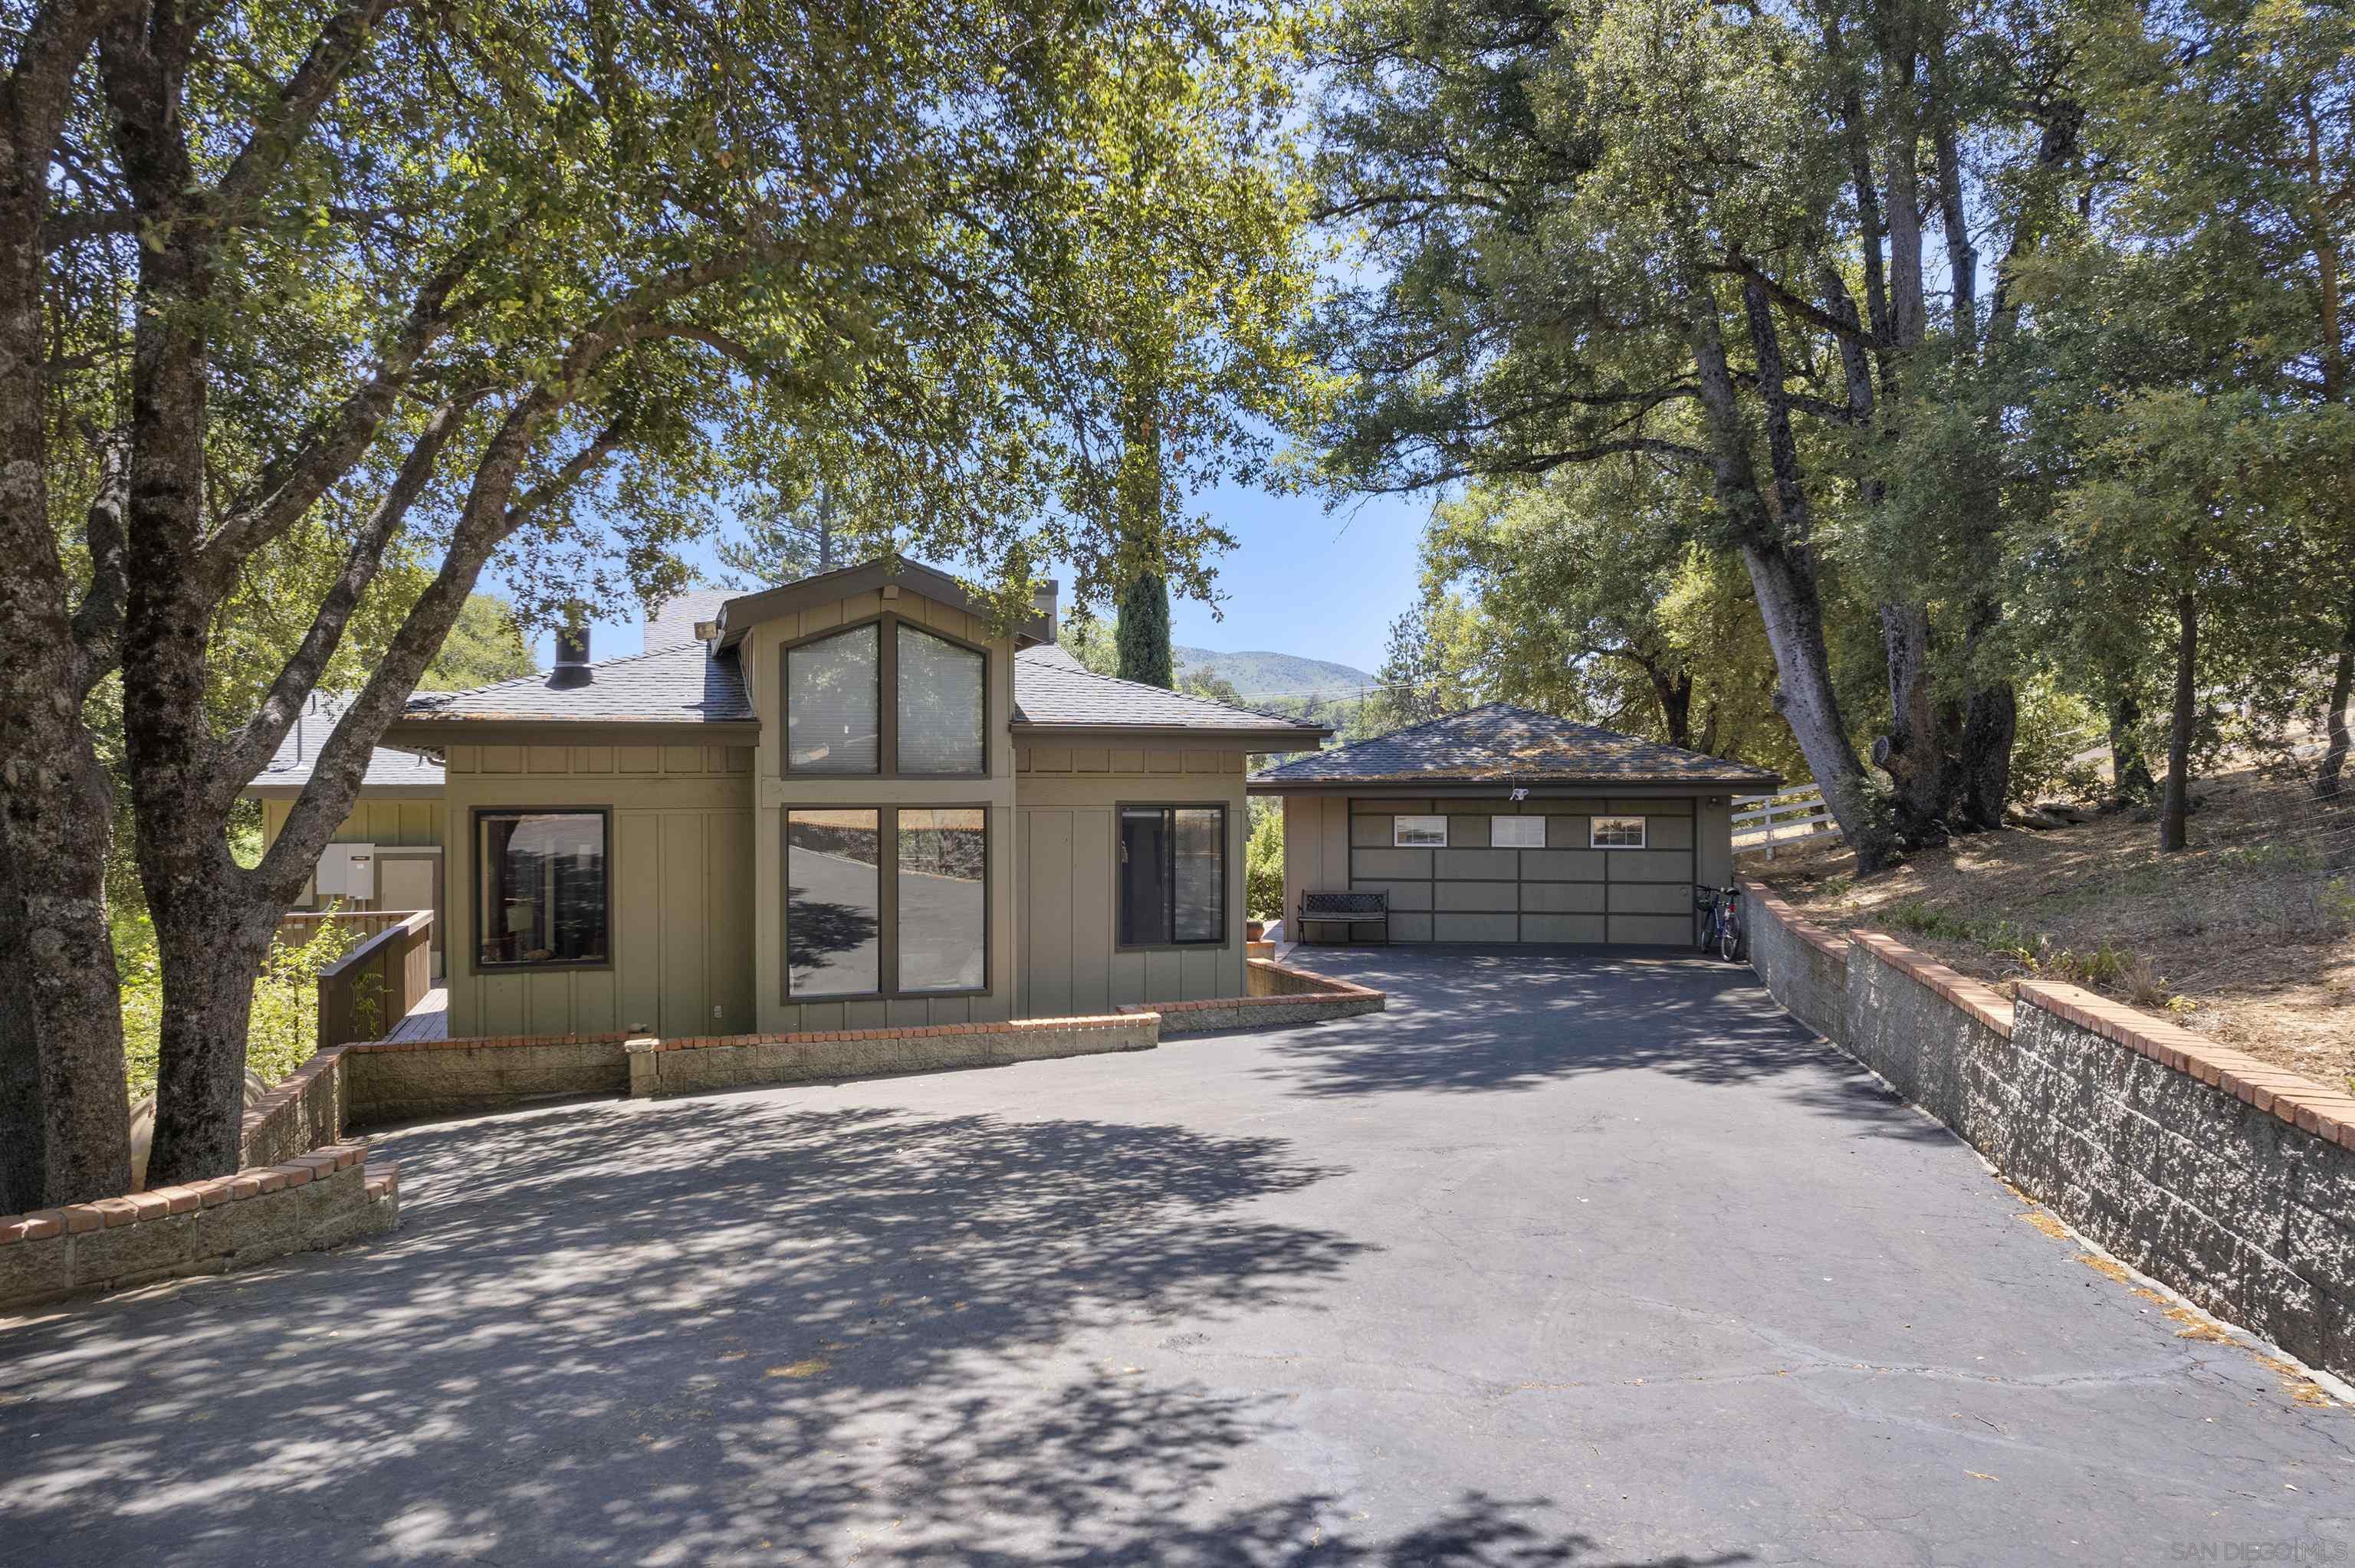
x,y
943,898
886,901
543,894
1173,875
886,698
939,705
833,903
832,703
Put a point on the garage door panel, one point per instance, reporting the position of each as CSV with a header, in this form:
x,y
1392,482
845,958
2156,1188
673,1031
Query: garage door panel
x,y
1668,832
1563,928
1563,899
1465,832
1648,865
1370,832
1563,866
1410,928
1649,899
1387,807
1403,894
1578,807
1566,832
1667,930
1477,864
1499,897
1389,864
1478,927
1652,807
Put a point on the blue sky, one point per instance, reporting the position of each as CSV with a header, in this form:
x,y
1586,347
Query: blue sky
x,y
1301,579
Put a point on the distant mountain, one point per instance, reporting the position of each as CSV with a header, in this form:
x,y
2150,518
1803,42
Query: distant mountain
x,y
1261,674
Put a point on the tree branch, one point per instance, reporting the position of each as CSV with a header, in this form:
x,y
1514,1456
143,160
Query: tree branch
x,y
250,750
98,623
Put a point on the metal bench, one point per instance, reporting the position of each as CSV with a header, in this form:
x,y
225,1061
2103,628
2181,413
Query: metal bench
x,y
1347,910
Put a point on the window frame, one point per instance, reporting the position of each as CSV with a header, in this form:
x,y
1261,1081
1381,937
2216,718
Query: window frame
x,y
1643,830
476,817
887,702
886,901
1495,817
1227,863
1398,819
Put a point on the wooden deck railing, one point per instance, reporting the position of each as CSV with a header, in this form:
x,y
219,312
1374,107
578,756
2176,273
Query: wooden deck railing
x,y
372,988
299,926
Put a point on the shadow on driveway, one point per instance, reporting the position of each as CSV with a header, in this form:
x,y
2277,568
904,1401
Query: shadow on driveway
x,y
734,1329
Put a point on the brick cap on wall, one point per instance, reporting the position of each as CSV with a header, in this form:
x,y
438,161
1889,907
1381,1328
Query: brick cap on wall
x,y
157,1202
1981,1001
1791,920
2305,1104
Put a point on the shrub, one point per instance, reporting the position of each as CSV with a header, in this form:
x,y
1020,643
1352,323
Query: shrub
x,y
1264,862
283,1030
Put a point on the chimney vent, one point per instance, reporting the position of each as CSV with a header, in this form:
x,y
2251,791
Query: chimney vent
x,y
572,650
1043,600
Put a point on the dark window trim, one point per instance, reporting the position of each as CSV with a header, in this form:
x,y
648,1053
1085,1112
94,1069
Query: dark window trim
x,y
887,916
887,700
1227,866
475,965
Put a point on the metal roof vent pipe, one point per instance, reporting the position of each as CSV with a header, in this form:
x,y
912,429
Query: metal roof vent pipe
x,y
572,648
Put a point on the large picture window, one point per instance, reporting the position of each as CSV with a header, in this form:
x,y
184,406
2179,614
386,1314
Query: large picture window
x,y
887,698
1173,875
886,901
543,896
832,706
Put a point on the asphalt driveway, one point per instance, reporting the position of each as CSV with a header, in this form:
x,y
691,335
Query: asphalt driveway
x,y
1569,1258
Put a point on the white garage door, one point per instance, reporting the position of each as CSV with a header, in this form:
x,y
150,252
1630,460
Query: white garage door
x,y
1531,871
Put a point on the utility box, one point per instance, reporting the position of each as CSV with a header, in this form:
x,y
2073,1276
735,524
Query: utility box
x,y
347,871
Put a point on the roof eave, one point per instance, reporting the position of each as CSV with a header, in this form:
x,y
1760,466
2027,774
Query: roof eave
x,y
1401,784
1281,739
436,734
740,615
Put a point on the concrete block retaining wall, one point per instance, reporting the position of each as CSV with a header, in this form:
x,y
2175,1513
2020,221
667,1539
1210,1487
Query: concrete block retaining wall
x,y
400,1080
1280,996
2230,1180
724,1061
321,1199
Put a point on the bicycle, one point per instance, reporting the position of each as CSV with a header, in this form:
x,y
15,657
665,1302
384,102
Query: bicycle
x,y
1721,930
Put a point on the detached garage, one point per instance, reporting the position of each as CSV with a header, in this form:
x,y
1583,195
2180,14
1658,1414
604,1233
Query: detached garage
x,y
1502,825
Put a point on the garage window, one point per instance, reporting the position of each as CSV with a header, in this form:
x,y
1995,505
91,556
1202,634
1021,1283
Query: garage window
x,y
1616,832
1516,832
1419,832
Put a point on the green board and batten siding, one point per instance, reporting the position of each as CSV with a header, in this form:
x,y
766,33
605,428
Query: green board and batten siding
x,y
680,848
1065,841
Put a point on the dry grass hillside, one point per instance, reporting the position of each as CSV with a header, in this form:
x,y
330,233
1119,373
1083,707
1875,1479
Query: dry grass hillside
x,y
2247,937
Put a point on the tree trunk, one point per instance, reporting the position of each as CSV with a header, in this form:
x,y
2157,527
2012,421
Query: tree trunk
x,y
2328,777
1674,693
65,1132
2176,806
1782,575
1912,753
1983,778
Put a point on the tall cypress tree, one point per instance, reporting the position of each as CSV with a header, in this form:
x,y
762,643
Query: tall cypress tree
x,y
1143,637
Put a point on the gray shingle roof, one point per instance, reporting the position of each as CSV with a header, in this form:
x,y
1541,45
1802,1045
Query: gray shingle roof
x,y
686,684
1053,689
1503,744
290,765
672,626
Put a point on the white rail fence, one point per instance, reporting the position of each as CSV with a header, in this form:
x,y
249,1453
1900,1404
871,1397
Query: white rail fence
x,y
1772,822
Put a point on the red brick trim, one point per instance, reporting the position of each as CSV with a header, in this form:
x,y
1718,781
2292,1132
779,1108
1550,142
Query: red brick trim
x,y
915,1032
106,1212
1979,999
1791,920
2303,1102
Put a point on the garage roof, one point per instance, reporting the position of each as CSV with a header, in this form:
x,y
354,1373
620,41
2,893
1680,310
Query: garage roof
x,y
1501,744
